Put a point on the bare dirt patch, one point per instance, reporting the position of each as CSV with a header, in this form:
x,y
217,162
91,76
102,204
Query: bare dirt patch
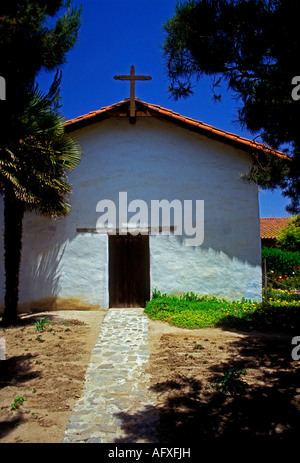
x,y
183,365
48,369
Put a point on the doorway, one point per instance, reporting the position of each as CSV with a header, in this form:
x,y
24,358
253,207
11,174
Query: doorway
x,y
129,270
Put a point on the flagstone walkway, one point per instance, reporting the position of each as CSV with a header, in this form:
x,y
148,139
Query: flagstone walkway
x,y
116,404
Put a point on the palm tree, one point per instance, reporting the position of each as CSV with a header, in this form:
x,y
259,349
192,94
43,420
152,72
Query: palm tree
x,y
33,176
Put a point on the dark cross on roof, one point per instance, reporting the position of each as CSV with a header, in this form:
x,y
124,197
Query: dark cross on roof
x,y
132,77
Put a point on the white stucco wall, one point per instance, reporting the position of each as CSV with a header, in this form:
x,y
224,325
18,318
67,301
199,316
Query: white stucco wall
x,y
203,271
152,159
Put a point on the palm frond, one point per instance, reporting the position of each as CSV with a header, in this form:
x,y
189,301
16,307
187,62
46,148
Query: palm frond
x,y
37,165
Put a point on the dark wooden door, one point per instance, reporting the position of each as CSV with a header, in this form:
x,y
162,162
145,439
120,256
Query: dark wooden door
x,y
129,270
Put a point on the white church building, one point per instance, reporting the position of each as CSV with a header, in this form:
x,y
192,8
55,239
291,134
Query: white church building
x,y
158,202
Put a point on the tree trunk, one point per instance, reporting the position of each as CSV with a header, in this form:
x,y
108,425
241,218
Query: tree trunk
x,y
13,219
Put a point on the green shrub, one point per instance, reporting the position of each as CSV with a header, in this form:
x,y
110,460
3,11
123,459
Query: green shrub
x,y
282,268
279,260
289,238
284,282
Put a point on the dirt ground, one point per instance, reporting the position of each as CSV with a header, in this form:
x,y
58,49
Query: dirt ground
x,y
48,368
183,365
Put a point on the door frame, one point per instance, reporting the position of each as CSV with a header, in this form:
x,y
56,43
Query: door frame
x,y
143,292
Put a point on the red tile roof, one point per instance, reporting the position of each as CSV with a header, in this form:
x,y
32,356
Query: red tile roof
x,y
146,109
270,228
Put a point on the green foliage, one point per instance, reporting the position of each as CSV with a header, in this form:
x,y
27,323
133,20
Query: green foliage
x,y
190,296
35,36
33,175
35,152
283,268
250,46
280,260
289,238
41,324
230,382
285,282
281,297
156,293
18,400
281,312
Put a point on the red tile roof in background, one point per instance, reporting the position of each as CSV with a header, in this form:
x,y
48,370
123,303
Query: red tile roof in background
x,y
271,227
147,109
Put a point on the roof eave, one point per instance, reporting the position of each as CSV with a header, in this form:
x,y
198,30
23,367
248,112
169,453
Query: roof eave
x,y
121,109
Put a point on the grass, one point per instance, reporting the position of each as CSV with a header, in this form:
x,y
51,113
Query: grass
x,y
280,312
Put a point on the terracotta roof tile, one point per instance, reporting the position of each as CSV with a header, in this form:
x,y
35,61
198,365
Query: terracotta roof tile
x,y
270,228
225,136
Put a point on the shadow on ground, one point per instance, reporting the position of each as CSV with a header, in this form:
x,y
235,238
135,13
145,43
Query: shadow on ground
x,y
27,319
8,425
188,410
15,371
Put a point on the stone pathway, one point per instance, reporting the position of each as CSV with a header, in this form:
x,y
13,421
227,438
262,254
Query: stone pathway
x,y
116,404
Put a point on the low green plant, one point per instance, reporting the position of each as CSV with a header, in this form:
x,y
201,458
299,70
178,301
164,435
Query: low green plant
x,y
281,311
18,400
198,347
156,293
190,296
230,382
282,296
40,325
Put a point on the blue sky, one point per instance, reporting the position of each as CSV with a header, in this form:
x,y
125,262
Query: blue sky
x,y
115,35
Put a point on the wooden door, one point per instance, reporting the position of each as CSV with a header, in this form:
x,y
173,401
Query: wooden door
x,y
129,270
